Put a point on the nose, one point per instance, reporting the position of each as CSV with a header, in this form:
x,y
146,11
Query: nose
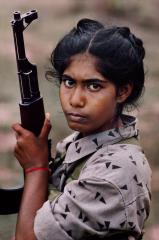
x,y
77,98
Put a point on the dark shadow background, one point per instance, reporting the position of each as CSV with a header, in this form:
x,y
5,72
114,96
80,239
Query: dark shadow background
x,y
55,19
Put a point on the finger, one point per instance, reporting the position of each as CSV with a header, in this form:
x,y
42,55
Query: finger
x,y
17,153
17,128
16,135
46,127
20,130
18,149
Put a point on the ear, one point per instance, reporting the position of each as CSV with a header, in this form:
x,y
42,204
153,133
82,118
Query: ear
x,y
124,92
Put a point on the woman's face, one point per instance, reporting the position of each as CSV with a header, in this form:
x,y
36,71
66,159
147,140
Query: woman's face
x,y
88,99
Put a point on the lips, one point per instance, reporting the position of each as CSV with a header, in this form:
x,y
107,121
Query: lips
x,y
76,117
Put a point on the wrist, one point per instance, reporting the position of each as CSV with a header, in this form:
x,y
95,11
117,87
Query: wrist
x,y
37,175
35,169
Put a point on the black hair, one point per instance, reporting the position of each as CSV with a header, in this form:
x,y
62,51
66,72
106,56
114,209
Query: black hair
x,y
120,55
76,41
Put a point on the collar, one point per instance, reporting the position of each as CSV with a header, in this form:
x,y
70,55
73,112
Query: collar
x,y
79,148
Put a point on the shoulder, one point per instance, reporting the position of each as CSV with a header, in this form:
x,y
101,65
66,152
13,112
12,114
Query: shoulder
x,y
121,154
124,165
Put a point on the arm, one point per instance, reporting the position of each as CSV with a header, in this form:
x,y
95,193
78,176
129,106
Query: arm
x,y
31,152
35,194
87,209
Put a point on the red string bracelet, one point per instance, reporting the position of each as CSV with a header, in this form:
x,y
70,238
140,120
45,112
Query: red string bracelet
x,y
28,170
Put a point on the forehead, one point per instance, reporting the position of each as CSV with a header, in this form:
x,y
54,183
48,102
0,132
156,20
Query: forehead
x,y
83,65
84,58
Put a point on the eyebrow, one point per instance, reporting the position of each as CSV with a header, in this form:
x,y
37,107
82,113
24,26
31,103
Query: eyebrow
x,y
90,80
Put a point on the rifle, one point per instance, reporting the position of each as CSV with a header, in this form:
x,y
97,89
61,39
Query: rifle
x,y
31,106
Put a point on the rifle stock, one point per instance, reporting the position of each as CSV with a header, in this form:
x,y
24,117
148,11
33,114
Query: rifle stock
x,y
31,105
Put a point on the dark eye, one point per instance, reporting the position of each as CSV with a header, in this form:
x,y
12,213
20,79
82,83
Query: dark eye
x,y
68,83
94,86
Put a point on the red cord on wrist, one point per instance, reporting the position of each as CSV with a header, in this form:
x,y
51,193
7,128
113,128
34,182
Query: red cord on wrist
x,y
28,170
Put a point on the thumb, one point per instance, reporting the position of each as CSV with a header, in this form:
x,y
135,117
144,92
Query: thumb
x,y
46,127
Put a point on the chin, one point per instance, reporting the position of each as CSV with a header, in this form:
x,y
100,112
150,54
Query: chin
x,y
78,127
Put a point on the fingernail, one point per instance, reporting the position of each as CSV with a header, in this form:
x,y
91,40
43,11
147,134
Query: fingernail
x,y
48,116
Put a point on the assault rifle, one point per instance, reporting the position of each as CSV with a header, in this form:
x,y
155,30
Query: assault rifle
x,y
31,105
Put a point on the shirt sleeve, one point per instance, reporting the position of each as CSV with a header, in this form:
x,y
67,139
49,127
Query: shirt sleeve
x,y
87,208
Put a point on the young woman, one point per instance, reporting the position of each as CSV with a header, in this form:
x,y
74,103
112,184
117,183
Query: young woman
x,y
101,175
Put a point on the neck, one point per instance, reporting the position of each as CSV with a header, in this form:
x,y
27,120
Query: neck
x,y
114,123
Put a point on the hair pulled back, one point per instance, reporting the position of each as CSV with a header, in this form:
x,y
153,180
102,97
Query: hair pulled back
x,y
76,41
119,53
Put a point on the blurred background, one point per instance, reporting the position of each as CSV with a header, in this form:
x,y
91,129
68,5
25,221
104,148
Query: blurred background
x,y
55,19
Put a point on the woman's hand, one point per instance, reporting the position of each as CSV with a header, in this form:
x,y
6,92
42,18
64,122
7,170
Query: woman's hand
x,y
32,151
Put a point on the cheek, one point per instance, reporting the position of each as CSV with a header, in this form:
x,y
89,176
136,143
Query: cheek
x,y
105,103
